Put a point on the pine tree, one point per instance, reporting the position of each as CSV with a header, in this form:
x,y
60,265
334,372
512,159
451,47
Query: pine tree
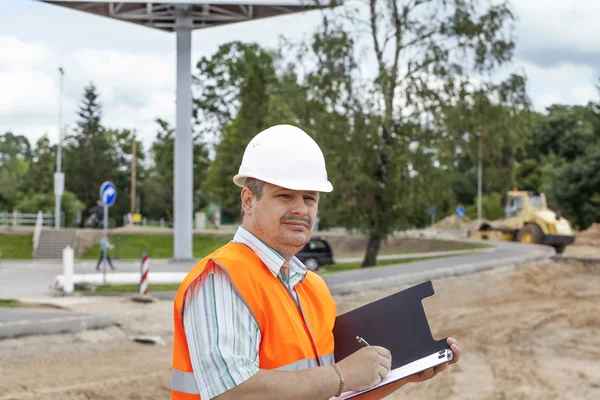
x,y
89,155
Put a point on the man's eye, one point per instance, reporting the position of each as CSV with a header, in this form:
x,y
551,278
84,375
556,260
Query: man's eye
x,y
309,198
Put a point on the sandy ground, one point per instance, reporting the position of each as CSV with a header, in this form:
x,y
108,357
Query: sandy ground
x,y
527,332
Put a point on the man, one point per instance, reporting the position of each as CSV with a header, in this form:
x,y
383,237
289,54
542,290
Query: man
x,y
250,321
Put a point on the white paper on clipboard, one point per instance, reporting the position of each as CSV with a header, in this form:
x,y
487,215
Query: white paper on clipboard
x,y
414,367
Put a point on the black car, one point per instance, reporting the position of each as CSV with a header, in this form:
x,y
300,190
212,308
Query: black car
x,y
317,252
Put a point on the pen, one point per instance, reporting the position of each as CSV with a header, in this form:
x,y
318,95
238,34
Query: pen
x,y
362,341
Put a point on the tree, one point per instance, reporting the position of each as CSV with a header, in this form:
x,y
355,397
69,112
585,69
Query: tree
x,y
89,156
40,177
566,131
15,156
44,202
529,175
157,188
427,52
121,141
578,189
241,90
221,77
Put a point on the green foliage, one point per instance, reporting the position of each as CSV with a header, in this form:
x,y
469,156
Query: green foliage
x,y
157,187
89,156
567,131
243,75
132,246
492,207
578,188
15,157
425,75
40,177
566,145
529,175
16,247
340,267
44,202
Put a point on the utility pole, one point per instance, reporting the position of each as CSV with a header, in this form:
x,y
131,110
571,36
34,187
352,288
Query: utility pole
x,y
59,177
133,175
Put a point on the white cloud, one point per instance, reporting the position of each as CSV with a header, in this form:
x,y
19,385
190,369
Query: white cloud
x,y
548,24
135,88
564,83
15,53
28,93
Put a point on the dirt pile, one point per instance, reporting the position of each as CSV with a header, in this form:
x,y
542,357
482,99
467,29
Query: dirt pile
x,y
589,237
453,222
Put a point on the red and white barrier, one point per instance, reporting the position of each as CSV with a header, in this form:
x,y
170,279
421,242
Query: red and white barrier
x,y
145,270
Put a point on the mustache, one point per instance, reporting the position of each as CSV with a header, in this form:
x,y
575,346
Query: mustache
x,y
287,218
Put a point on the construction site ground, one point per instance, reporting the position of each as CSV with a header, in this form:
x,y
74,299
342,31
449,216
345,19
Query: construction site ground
x,y
529,331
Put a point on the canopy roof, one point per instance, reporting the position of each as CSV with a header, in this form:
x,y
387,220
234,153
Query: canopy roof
x,y
162,14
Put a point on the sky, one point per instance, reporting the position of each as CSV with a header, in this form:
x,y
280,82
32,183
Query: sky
x,y
558,48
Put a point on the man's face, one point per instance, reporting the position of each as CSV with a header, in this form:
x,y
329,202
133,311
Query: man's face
x,y
282,218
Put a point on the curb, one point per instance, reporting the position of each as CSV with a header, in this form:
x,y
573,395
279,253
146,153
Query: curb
x,y
48,326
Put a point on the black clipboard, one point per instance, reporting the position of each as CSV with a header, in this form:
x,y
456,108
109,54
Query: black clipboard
x,y
397,322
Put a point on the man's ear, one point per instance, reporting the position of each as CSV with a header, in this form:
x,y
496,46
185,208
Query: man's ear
x,y
247,198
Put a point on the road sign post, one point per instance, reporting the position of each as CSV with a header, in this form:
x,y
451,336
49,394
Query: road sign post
x,y
108,196
432,214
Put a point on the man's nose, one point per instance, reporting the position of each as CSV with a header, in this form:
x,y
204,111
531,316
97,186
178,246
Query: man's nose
x,y
299,206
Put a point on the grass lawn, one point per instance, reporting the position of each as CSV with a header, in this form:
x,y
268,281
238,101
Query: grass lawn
x,y
339,267
127,288
16,247
9,303
132,246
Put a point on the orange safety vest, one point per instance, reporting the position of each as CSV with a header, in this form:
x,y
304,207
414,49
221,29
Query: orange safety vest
x,y
292,337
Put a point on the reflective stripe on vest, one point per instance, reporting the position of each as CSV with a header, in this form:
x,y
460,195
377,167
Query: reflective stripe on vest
x,y
185,382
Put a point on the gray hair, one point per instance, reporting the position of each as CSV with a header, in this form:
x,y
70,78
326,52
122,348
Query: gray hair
x,y
256,187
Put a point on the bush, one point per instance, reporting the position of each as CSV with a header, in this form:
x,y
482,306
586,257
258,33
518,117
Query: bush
x,y
44,202
492,207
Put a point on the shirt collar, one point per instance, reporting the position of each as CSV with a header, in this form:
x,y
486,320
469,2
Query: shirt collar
x,y
272,259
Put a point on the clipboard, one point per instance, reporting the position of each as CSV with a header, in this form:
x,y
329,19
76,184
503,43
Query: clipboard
x,y
399,323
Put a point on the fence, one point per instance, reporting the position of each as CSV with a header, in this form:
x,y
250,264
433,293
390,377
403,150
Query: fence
x,y
17,218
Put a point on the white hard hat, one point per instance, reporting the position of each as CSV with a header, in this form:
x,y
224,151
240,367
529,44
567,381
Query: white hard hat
x,y
286,156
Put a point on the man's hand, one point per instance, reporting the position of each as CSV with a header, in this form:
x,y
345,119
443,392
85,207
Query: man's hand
x,y
366,367
430,373
385,391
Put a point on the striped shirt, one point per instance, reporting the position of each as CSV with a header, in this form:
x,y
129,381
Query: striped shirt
x,y
222,335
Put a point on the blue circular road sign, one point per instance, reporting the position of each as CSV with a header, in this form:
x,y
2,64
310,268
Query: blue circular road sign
x,y
108,193
460,211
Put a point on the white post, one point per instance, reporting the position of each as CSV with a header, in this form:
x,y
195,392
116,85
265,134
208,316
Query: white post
x,y
479,178
59,177
200,220
68,256
183,185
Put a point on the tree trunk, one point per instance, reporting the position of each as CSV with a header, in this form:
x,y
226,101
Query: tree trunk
x,y
372,251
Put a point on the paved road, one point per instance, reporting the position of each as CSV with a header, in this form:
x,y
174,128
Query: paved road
x,y
505,253
23,279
